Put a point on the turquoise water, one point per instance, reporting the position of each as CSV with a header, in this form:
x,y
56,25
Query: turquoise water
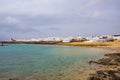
x,y
38,62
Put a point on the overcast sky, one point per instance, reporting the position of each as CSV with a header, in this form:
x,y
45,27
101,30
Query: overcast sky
x,y
25,19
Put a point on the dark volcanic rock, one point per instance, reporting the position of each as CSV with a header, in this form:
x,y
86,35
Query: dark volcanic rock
x,y
112,59
113,54
93,77
107,74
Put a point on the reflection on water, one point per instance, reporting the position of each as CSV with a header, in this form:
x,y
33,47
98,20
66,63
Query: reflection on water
x,y
45,62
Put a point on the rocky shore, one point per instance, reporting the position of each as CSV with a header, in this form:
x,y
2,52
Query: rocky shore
x,y
109,67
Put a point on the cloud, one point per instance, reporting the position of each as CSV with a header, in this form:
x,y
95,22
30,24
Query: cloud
x,y
95,14
92,3
40,18
11,20
31,7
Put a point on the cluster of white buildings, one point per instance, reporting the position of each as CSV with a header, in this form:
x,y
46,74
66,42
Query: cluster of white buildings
x,y
103,38
41,39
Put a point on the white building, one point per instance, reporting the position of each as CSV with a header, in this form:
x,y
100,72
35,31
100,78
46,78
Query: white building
x,y
96,39
52,39
67,39
116,37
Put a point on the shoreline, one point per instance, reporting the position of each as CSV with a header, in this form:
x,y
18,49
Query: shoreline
x,y
107,68
101,69
74,71
85,44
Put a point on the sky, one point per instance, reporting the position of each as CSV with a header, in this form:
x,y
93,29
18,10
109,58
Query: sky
x,y
26,19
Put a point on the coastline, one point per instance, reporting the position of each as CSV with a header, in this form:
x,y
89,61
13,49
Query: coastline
x,y
107,68
77,70
102,69
99,71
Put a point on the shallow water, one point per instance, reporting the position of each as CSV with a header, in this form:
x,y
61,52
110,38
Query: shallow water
x,y
45,62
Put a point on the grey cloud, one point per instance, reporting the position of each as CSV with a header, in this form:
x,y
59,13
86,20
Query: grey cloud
x,y
43,18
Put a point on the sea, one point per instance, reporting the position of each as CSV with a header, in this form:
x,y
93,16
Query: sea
x,y
46,62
